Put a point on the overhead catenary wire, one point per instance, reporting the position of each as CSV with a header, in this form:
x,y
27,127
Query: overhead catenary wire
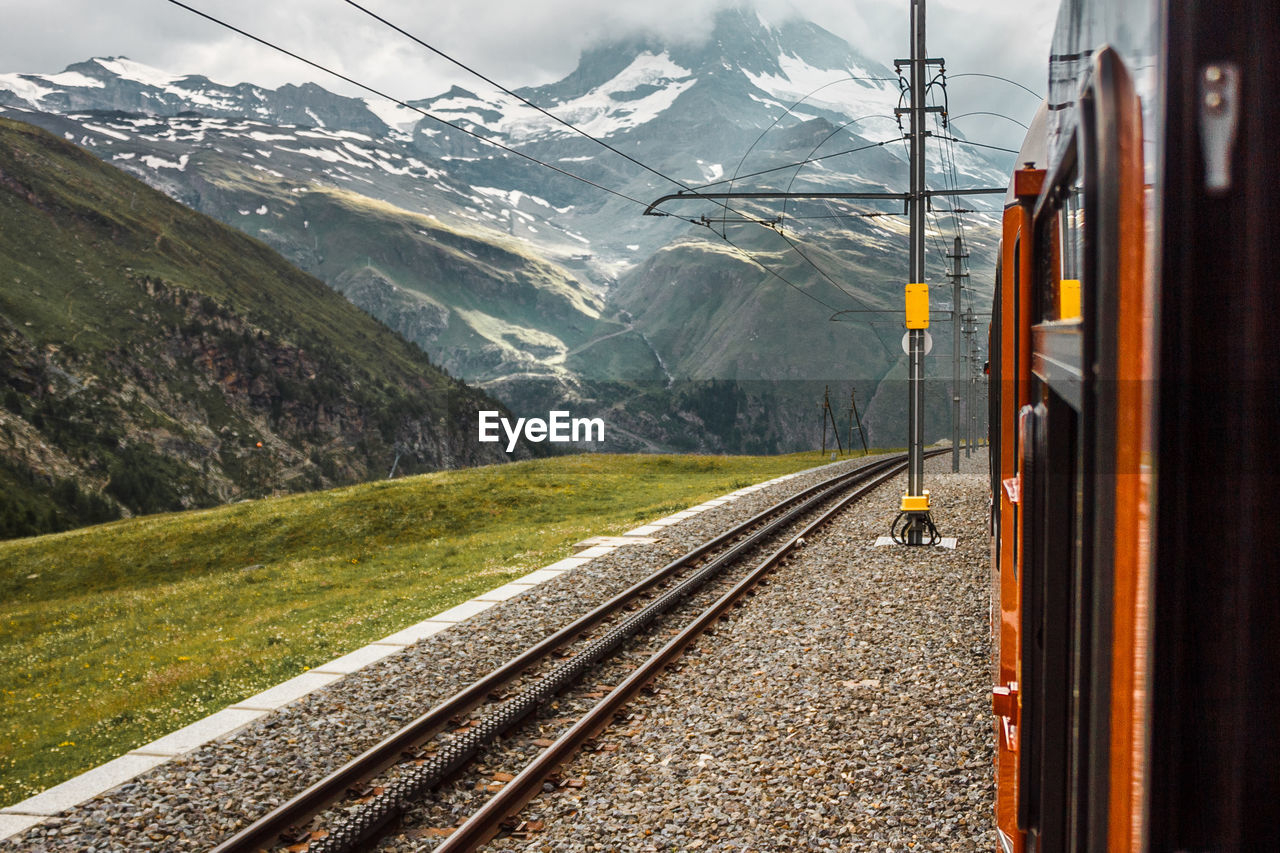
x,y
965,305
804,162
780,226
774,273
567,124
788,112
949,175
823,141
948,158
370,89
684,186
970,142
998,77
988,113
794,246
536,161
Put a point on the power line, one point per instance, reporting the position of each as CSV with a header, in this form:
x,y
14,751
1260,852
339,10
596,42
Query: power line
x,y
852,214
598,141
499,145
998,77
796,247
789,110
949,161
553,116
774,273
409,106
823,141
518,97
959,141
986,113
792,243
805,162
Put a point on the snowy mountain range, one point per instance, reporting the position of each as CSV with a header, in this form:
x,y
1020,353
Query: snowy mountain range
x,y
551,290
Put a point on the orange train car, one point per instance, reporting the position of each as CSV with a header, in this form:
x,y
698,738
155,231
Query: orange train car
x,y
1135,404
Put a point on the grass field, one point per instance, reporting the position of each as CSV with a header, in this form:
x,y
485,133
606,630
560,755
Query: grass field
x,y
114,635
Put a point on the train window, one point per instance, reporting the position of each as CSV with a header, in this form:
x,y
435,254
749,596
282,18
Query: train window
x,y
1071,237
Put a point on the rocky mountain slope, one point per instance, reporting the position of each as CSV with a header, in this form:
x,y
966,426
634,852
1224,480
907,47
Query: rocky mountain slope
x,y
546,290
154,359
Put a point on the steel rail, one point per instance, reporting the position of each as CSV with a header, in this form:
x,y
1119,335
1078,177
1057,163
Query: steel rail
x,y
355,830
287,819
485,822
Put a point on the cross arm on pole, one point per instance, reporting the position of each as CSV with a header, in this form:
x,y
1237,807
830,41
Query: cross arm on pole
x,y
969,191
652,209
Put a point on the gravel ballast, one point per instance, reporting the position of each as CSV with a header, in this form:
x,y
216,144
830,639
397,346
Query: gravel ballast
x,y
845,707
197,799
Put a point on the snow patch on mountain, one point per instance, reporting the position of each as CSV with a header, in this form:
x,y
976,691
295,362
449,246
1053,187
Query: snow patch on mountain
x,y
161,163
328,155
711,171
106,132
127,69
75,79
613,106
200,99
260,136
844,90
392,115
25,87
512,197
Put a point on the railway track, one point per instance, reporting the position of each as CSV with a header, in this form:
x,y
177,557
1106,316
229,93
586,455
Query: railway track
x,y
652,622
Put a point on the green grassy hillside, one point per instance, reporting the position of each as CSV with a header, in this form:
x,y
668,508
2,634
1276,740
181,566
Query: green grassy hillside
x,y
154,359
111,636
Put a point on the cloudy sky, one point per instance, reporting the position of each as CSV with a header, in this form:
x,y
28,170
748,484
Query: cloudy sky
x,y
516,42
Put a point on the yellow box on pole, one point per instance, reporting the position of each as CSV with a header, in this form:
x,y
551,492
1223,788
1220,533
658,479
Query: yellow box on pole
x,y
915,503
1069,299
917,306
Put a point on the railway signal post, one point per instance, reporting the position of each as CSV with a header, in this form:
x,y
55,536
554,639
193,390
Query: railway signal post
x,y
914,517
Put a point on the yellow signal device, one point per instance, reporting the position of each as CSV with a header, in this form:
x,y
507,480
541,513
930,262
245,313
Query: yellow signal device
x,y
917,306
1069,299
916,503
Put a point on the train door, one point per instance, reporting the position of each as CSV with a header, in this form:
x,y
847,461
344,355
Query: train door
x,y
1079,435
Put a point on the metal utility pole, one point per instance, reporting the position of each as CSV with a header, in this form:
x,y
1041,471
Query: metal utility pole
x,y
915,504
854,416
835,430
824,430
971,355
956,355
